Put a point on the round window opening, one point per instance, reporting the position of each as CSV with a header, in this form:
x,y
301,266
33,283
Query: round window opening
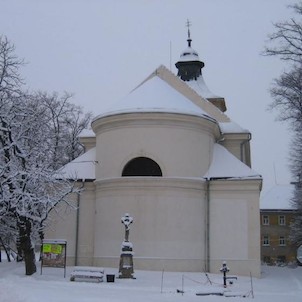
x,y
142,166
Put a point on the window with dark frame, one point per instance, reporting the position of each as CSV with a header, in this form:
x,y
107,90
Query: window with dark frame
x,y
265,240
282,241
282,220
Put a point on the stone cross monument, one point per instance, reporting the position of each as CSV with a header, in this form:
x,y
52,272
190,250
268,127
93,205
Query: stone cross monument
x,y
127,220
126,259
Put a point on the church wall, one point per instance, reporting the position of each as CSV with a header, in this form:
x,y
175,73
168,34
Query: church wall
x,y
189,139
234,226
86,225
168,228
63,221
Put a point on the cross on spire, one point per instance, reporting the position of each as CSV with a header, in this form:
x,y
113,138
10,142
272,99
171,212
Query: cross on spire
x,y
188,24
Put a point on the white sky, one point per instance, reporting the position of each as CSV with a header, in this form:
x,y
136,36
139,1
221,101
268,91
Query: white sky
x,y
100,50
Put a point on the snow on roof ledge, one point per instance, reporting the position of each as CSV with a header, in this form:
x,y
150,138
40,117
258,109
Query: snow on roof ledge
x,y
232,127
226,165
83,167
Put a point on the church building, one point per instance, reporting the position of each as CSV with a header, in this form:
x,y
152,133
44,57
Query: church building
x,y
168,155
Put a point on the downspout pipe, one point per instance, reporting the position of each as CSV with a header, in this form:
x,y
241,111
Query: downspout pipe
x,y
77,226
207,226
242,144
77,231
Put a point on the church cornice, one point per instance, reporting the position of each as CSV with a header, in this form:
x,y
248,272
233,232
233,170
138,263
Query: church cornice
x,y
156,119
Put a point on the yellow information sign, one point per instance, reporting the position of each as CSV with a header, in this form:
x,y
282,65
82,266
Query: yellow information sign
x,y
56,249
52,248
46,248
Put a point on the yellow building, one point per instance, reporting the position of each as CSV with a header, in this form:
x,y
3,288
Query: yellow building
x,y
277,213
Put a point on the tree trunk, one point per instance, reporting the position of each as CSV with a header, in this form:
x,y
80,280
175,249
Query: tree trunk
x,y
5,249
41,235
19,250
26,247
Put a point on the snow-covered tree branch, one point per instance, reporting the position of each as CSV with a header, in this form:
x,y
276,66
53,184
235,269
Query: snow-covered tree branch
x,y
38,134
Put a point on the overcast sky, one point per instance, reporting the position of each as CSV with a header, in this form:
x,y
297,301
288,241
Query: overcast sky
x,y
100,50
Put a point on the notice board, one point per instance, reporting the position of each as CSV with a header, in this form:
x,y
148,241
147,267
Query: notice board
x,y
53,252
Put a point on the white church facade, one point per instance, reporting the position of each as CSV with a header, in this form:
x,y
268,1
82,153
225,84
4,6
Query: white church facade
x,y
169,155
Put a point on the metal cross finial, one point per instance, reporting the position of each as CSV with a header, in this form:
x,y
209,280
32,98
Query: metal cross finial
x,y
188,24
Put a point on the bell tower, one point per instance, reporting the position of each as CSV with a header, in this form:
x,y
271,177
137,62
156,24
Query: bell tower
x,y
190,71
189,66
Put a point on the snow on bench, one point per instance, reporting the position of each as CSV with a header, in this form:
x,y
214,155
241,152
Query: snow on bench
x,y
207,292
90,273
235,294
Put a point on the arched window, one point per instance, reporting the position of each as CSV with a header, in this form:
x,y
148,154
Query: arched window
x,y
142,166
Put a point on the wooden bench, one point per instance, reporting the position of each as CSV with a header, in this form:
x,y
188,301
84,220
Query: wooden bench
x,y
87,273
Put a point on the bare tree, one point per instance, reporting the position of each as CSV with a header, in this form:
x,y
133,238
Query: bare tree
x,y
286,44
287,96
64,123
286,41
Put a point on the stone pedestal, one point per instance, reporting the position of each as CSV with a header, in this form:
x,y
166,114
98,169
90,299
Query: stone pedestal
x,y
126,261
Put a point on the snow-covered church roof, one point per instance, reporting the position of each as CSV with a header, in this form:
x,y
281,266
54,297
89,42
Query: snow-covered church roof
x,y
226,165
202,89
155,95
82,168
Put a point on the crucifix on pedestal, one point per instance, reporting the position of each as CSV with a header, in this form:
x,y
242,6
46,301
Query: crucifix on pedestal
x,y
126,259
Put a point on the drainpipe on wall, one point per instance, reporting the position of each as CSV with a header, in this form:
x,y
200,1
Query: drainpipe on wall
x,y
207,226
241,148
77,230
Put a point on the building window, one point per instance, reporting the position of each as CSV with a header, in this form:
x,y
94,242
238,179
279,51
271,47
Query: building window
x,y
282,220
265,240
142,166
282,241
265,219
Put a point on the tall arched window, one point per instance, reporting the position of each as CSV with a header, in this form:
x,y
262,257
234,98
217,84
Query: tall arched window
x,y
142,166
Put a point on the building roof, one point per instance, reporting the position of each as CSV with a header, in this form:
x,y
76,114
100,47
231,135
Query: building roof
x,y
155,95
278,198
226,165
201,88
83,167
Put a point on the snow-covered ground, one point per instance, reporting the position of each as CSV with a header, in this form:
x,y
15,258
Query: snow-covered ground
x,y
276,284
